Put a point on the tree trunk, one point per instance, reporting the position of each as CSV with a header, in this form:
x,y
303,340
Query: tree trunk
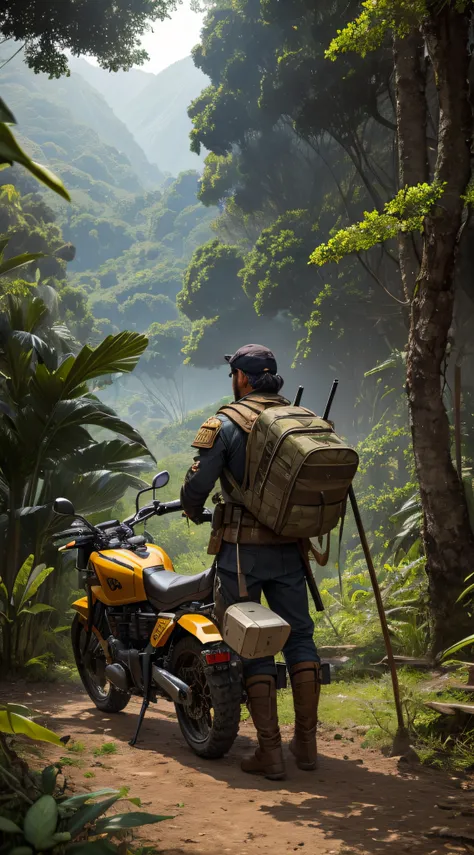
x,y
411,138
448,540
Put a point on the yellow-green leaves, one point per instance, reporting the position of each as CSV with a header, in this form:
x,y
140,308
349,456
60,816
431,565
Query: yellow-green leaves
x,y
13,723
378,17
404,213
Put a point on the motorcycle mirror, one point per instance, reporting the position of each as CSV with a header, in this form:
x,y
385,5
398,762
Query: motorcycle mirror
x,y
64,507
161,480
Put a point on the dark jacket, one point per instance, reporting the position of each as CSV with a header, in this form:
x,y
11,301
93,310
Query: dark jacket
x,y
228,452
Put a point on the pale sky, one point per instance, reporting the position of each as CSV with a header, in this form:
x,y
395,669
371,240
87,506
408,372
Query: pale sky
x,y
172,39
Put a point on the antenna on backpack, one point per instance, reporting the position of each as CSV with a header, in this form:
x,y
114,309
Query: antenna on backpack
x,y
330,399
299,395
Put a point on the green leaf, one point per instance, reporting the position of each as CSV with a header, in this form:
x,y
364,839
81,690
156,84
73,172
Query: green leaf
x,y
133,819
86,411
6,114
389,363
88,813
97,492
40,821
12,723
114,454
49,777
81,798
465,593
465,642
41,661
20,261
38,576
11,152
19,709
116,354
21,580
8,826
36,609
21,850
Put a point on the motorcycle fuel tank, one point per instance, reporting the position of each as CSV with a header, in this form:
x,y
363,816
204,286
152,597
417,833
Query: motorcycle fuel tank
x,y
120,573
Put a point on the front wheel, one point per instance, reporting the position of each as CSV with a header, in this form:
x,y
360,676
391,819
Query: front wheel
x,y
91,666
211,722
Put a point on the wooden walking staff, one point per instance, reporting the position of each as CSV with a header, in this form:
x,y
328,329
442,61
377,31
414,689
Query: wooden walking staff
x,y
401,743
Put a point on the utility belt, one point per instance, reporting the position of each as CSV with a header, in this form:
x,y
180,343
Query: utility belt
x,y
234,524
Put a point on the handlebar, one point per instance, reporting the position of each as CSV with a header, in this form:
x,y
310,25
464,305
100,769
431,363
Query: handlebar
x,y
122,533
170,507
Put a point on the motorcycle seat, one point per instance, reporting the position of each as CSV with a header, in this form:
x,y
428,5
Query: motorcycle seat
x,y
167,590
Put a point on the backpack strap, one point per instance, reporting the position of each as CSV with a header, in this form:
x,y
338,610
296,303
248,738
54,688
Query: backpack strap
x,y
242,415
245,413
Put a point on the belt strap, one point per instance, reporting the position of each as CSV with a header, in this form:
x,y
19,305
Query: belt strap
x,y
243,590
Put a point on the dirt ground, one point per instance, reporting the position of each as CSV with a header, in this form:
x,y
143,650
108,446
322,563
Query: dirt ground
x,y
357,802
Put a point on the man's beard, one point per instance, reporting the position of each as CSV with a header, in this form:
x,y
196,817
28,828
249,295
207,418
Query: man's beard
x,y
235,387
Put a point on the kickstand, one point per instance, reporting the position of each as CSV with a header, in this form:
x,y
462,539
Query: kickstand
x,y
146,696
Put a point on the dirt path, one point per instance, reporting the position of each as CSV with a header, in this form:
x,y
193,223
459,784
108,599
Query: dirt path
x,y
357,802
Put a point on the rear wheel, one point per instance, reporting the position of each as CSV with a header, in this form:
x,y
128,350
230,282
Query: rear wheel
x,y
211,722
91,666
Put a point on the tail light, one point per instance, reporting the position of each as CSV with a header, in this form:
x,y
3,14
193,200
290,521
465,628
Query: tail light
x,y
218,658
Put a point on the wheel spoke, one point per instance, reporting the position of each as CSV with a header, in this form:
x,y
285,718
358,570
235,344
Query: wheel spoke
x,y
198,716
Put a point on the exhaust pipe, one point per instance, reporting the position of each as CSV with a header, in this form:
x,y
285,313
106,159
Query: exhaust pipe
x,y
178,691
117,675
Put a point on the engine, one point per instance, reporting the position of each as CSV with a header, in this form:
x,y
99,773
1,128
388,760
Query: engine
x,y
132,626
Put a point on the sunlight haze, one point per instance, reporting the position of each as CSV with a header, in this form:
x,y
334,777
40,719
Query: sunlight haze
x,y
172,39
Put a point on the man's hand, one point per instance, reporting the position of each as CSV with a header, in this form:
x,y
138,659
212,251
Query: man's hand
x,y
199,517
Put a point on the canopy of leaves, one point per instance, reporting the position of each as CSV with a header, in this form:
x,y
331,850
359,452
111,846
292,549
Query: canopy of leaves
x,y
405,213
209,281
110,31
379,17
297,145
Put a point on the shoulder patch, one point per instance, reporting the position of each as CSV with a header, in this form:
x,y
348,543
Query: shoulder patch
x,y
207,433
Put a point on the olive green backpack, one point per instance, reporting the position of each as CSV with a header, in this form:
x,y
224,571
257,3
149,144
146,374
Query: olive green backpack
x,y
298,470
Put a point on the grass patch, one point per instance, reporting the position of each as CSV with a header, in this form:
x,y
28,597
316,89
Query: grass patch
x,y
368,702
76,747
89,774
70,761
105,748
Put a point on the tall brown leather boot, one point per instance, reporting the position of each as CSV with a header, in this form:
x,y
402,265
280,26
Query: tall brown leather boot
x,y
306,690
262,703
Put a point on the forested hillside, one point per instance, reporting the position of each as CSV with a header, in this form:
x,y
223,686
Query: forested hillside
x,y
154,108
133,231
75,130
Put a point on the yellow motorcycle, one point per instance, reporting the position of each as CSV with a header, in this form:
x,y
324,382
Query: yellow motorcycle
x,y
144,630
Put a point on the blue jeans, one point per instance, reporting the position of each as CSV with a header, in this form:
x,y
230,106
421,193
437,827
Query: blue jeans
x,y
286,595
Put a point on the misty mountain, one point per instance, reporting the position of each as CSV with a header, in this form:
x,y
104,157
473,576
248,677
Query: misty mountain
x,y
159,119
118,88
71,122
154,108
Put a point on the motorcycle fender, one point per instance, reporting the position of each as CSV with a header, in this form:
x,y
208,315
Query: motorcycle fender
x,y
81,607
201,627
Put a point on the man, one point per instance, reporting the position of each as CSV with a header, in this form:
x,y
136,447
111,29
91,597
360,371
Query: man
x,y
271,565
